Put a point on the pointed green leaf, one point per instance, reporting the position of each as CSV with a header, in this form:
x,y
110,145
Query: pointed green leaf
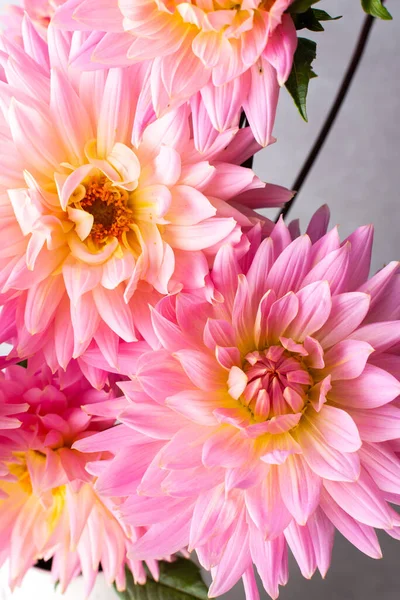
x,y
376,9
301,73
322,15
179,580
311,19
307,20
23,363
300,6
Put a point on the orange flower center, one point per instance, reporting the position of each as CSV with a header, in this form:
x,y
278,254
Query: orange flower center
x,y
108,205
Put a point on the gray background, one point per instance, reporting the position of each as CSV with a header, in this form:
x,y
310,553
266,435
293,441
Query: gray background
x,y
357,174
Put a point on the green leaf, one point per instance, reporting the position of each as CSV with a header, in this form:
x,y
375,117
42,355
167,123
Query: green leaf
x,y
307,20
300,6
376,9
322,15
311,19
179,580
301,73
23,363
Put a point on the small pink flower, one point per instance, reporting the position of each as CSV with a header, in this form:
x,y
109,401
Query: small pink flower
x,y
236,55
101,202
48,506
275,411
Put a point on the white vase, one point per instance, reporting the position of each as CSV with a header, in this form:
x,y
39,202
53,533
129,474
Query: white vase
x,y
38,585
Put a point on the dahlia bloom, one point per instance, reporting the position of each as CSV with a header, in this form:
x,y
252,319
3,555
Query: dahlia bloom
x,y
101,202
48,506
274,408
235,55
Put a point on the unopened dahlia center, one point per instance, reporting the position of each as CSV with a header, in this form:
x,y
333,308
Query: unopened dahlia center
x,y
277,382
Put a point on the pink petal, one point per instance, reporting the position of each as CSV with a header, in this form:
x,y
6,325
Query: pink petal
x,y
360,255
288,271
322,534
114,312
270,558
226,448
347,312
281,47
260,104
377,425
375,387
362,500
196,405
164,423
188,206
333,268
234,561
314,309
301,545
265,506
381,336
281,315
347,359
202,369
300,488
337,428
360,535
383,466
197,237
323,459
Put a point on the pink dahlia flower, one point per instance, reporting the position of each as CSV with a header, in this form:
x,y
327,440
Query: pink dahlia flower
x,y
275,409
48,506
99,201
237,55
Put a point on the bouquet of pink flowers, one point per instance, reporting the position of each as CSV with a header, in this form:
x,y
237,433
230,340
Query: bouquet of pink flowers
x,y
185,378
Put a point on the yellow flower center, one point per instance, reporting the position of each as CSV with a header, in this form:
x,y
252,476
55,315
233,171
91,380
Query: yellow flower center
x,y
109,207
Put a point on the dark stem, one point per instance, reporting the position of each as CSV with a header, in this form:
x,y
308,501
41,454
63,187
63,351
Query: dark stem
x,y
330,119
244,123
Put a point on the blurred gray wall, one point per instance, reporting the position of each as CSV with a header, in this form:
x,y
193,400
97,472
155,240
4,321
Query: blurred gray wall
x,y
357,174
